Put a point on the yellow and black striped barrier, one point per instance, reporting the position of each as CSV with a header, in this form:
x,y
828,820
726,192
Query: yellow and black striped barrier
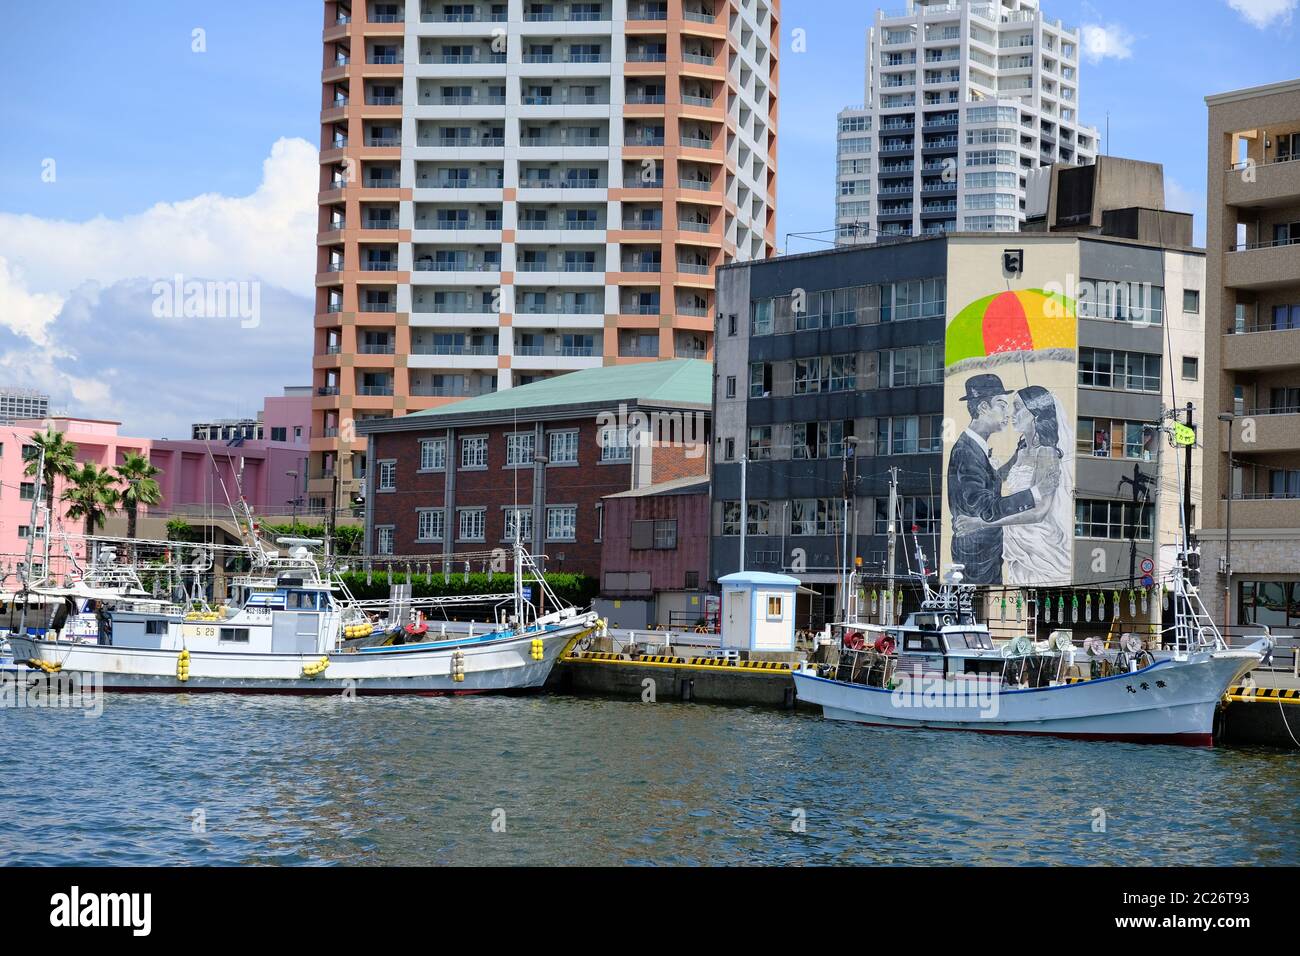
x,y
695,663
1244,694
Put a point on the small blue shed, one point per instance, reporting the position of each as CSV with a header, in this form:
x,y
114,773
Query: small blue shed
x,y
758,611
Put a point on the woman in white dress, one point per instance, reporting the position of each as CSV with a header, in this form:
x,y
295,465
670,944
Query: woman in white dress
x,y
1037,544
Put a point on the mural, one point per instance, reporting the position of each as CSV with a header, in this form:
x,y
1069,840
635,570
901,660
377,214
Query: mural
x,y
1010,376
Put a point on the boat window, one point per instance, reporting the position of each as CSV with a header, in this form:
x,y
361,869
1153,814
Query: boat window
x,y
302,601
925,643
234,635
155,627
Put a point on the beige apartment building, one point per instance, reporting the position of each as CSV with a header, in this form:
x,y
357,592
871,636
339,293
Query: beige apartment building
x,y
1251,520
517,189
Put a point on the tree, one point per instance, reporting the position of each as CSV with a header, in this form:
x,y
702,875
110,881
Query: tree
x,y
92,495
139,476
60,461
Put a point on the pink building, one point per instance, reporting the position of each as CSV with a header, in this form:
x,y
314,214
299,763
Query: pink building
x,y
198,477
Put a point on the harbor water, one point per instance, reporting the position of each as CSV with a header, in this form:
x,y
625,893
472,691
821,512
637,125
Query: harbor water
x,y
548,780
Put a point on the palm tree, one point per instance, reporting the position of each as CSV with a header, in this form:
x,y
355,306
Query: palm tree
x,y
141,487
60,460
92,495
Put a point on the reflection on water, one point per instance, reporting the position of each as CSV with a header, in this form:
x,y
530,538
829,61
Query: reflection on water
x,y
213,779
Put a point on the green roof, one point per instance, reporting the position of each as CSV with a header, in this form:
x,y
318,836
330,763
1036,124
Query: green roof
x,y
674,381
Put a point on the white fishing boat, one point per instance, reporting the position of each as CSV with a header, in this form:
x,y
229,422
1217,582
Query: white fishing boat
x,y
941,670
290,629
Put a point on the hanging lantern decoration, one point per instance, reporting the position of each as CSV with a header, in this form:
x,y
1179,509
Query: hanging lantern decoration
x,y
1074,608
466,578
1101,606
408,575
1132,603
1002,615
1145,592
874,600
1047,609
1020,606
446,573
1087,607
368,573
1060,609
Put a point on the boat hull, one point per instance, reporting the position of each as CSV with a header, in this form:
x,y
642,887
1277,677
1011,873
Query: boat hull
x,y
1171,701
491,663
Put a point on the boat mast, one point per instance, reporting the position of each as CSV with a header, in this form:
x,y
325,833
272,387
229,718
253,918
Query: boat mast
x,y
26,573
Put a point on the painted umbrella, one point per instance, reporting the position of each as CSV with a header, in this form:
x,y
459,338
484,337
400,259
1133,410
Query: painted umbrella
x,y
1030,320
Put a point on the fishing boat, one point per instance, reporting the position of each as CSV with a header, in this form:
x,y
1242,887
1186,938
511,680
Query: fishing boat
x,y
942,670
289,628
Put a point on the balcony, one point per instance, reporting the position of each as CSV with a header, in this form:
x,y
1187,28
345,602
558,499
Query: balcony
x,y
377,348
1271,430
643,225
1275,184
1266,348
374,391
647,56
699,185
1262,265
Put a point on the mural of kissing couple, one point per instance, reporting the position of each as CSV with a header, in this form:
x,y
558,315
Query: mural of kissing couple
x,y
1016,512
1010,379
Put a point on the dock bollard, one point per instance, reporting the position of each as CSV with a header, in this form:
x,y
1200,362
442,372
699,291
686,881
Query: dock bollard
x,y
686,689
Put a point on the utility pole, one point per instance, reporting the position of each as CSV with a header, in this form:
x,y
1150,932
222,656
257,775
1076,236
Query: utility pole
x,y
744,506
1187,482
887,606
25,575
1141,483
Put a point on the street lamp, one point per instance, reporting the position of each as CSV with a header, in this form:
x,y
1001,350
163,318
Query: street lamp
x,y
539,476
1230,419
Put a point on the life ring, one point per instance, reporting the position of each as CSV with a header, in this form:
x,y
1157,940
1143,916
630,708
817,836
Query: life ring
x,y
417,628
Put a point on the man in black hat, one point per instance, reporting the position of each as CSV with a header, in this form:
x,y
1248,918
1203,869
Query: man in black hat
x,y
975,483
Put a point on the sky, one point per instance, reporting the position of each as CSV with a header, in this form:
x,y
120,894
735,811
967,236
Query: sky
x,y
175,142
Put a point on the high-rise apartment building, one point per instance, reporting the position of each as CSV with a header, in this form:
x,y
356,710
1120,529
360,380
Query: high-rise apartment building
x,y
1250,536
963,98
22,403
512,190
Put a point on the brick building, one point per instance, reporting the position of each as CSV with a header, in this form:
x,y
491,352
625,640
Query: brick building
x,y
455,479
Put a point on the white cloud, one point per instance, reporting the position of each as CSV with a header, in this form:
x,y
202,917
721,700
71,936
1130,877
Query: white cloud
x,y
1110,40
77,303
1262,13
269,235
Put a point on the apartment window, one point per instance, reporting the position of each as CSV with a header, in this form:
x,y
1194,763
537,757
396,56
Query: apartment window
x,y
614,445
562,523
386,476
520,449
1138,302
811,517
1109,438
923,514
279,433
844,372
1271,603
473,452
518,520
759,523
1129,371
384,540
692,582
731,324
813,440
909,435
807,376
429,524
760,379
920,365
472,524
731,386
760,443
1191,300
24,531
433,454
729,449
761,318
27,490
916,299
1191,368
1109,520
563,447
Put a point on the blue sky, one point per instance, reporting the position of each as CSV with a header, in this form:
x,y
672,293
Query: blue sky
x,y
172,161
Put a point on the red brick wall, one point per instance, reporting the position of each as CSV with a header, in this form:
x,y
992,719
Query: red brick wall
x,y
670,462
582,485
